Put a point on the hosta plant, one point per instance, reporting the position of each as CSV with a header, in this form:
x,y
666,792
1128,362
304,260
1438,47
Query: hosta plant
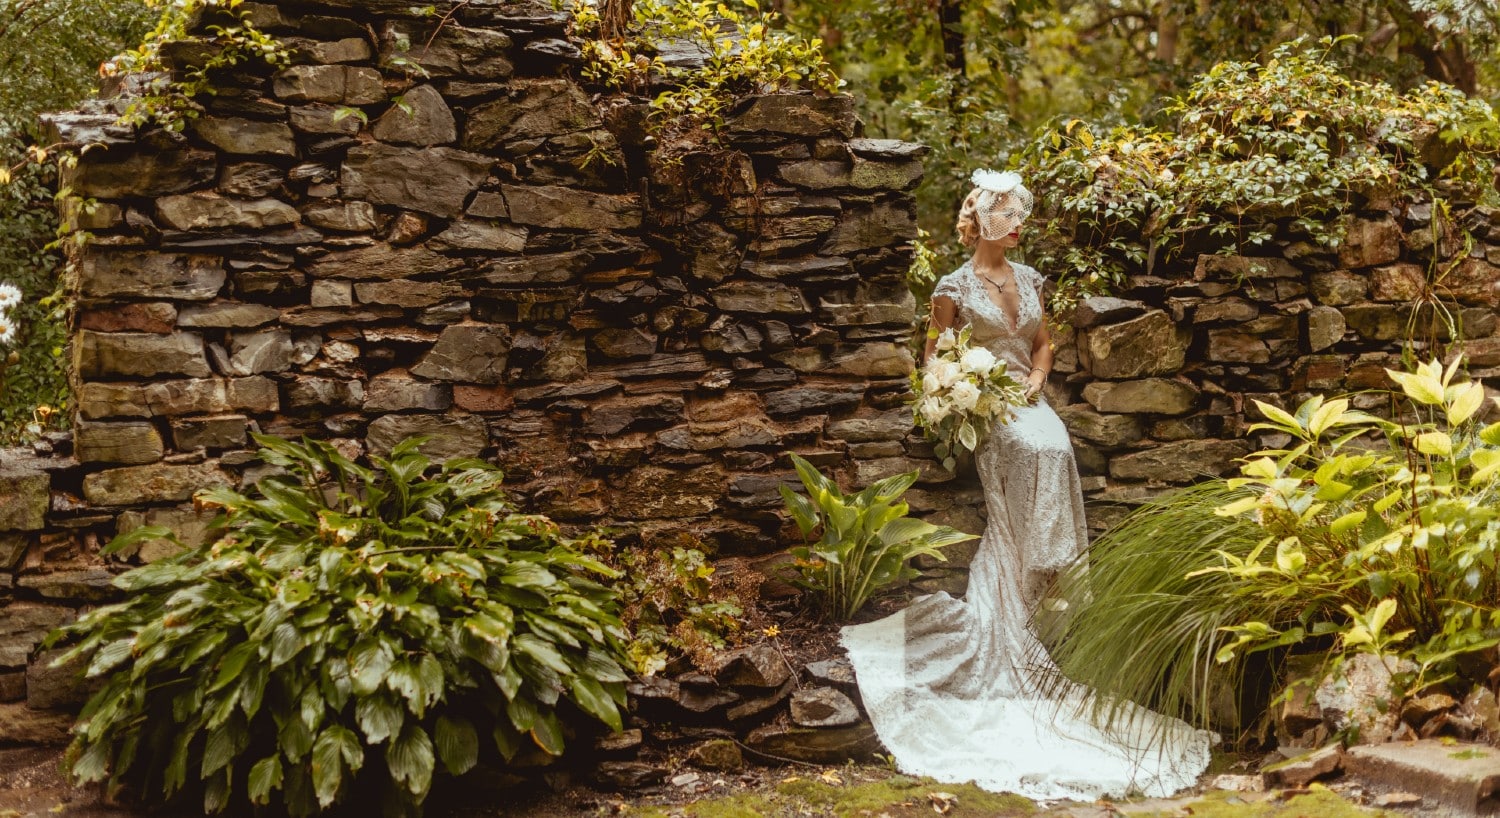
x,y
355,630
857,543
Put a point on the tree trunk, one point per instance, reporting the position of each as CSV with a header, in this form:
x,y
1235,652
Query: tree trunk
x,y
951,18
1167,29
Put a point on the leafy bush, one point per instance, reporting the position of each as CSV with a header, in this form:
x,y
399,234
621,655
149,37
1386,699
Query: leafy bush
x,y
863,541
1387,549
742,53
674,604
1366,535
1288,140
354,629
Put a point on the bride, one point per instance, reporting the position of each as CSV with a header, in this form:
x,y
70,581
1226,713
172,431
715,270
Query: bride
x,y
952,686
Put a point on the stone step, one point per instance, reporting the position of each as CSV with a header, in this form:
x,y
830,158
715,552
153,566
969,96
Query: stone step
x,y
1463,778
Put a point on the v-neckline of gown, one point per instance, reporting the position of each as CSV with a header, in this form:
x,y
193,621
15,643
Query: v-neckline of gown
x,y
1011,322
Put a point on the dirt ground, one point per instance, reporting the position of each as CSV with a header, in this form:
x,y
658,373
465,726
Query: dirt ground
x,y
31,784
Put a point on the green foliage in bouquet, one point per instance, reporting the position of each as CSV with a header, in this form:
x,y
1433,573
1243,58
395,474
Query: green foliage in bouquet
x,y
355,630
961,392
1366,535
860,543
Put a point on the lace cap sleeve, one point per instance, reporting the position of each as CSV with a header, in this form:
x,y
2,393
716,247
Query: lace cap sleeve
x,y
1031,276
948,286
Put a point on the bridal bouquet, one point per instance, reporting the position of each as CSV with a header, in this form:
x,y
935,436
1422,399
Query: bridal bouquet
x,y
961,391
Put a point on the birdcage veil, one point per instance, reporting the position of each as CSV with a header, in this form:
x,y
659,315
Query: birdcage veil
x,y
1003,204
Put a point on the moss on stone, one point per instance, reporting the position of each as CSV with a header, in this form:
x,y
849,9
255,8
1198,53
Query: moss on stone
x,y
898,796
1319,801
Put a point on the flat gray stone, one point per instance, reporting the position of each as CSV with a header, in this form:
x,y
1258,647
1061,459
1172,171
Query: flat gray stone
x,y
210,211
1160,396
246,137
140,354
206,396
556,206
383,262
467,353
420,117
438,181
1148,345
119,443
823,707
226,315
346,217
450,436
816,745
156,483
345,84
86,584
534,109
136,274
1463,778
470,234
1180,462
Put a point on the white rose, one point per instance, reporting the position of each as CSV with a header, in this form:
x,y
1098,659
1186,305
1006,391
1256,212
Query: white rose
x,y
947,372
947,340
930,384
964,395
933,411
979,361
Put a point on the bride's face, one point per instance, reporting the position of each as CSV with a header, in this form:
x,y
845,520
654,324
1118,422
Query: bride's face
x,y
1001,223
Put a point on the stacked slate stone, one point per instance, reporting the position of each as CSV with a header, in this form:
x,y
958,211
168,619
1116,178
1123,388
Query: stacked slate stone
x,y
1159,387
425,228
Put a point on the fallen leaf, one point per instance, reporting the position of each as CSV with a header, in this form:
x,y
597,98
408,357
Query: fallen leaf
x,y
832,777
942,802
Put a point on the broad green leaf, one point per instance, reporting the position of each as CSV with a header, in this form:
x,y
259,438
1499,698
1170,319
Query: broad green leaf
x,y
369,663
591,698
1349,522
1439,444
1290,557
378,717
547,733
1279,417
1422,387
410,759
327,768
1467,400
265,776
457,744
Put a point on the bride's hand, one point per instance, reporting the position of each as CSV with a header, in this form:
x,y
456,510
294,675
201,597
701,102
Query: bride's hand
x,y
1035,380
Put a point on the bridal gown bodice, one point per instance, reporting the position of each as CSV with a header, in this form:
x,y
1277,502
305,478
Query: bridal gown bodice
x,y
951,685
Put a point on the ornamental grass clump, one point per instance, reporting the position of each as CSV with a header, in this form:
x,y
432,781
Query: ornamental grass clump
x,y
1364,536
355,632
859,543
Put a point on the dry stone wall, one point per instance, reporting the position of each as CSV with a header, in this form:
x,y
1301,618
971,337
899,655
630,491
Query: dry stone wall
x,y
1159,386
486,252
423,230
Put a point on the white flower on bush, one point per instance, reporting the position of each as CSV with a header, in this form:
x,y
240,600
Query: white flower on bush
x,y
10,296
7,330
979,361
964,396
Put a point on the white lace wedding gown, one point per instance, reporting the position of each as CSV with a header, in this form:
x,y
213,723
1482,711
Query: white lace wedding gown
x,y
950,684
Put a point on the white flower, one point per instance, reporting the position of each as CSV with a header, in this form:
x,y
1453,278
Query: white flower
x,y
930,383
934,410
947,340
7,330
947,372
964,395
10,296
979,361
995,181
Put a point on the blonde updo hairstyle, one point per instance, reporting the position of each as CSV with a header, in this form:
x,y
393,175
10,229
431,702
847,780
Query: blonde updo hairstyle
x,y
968,218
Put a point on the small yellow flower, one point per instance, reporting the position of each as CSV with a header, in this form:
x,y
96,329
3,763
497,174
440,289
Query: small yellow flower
x,y
771,631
